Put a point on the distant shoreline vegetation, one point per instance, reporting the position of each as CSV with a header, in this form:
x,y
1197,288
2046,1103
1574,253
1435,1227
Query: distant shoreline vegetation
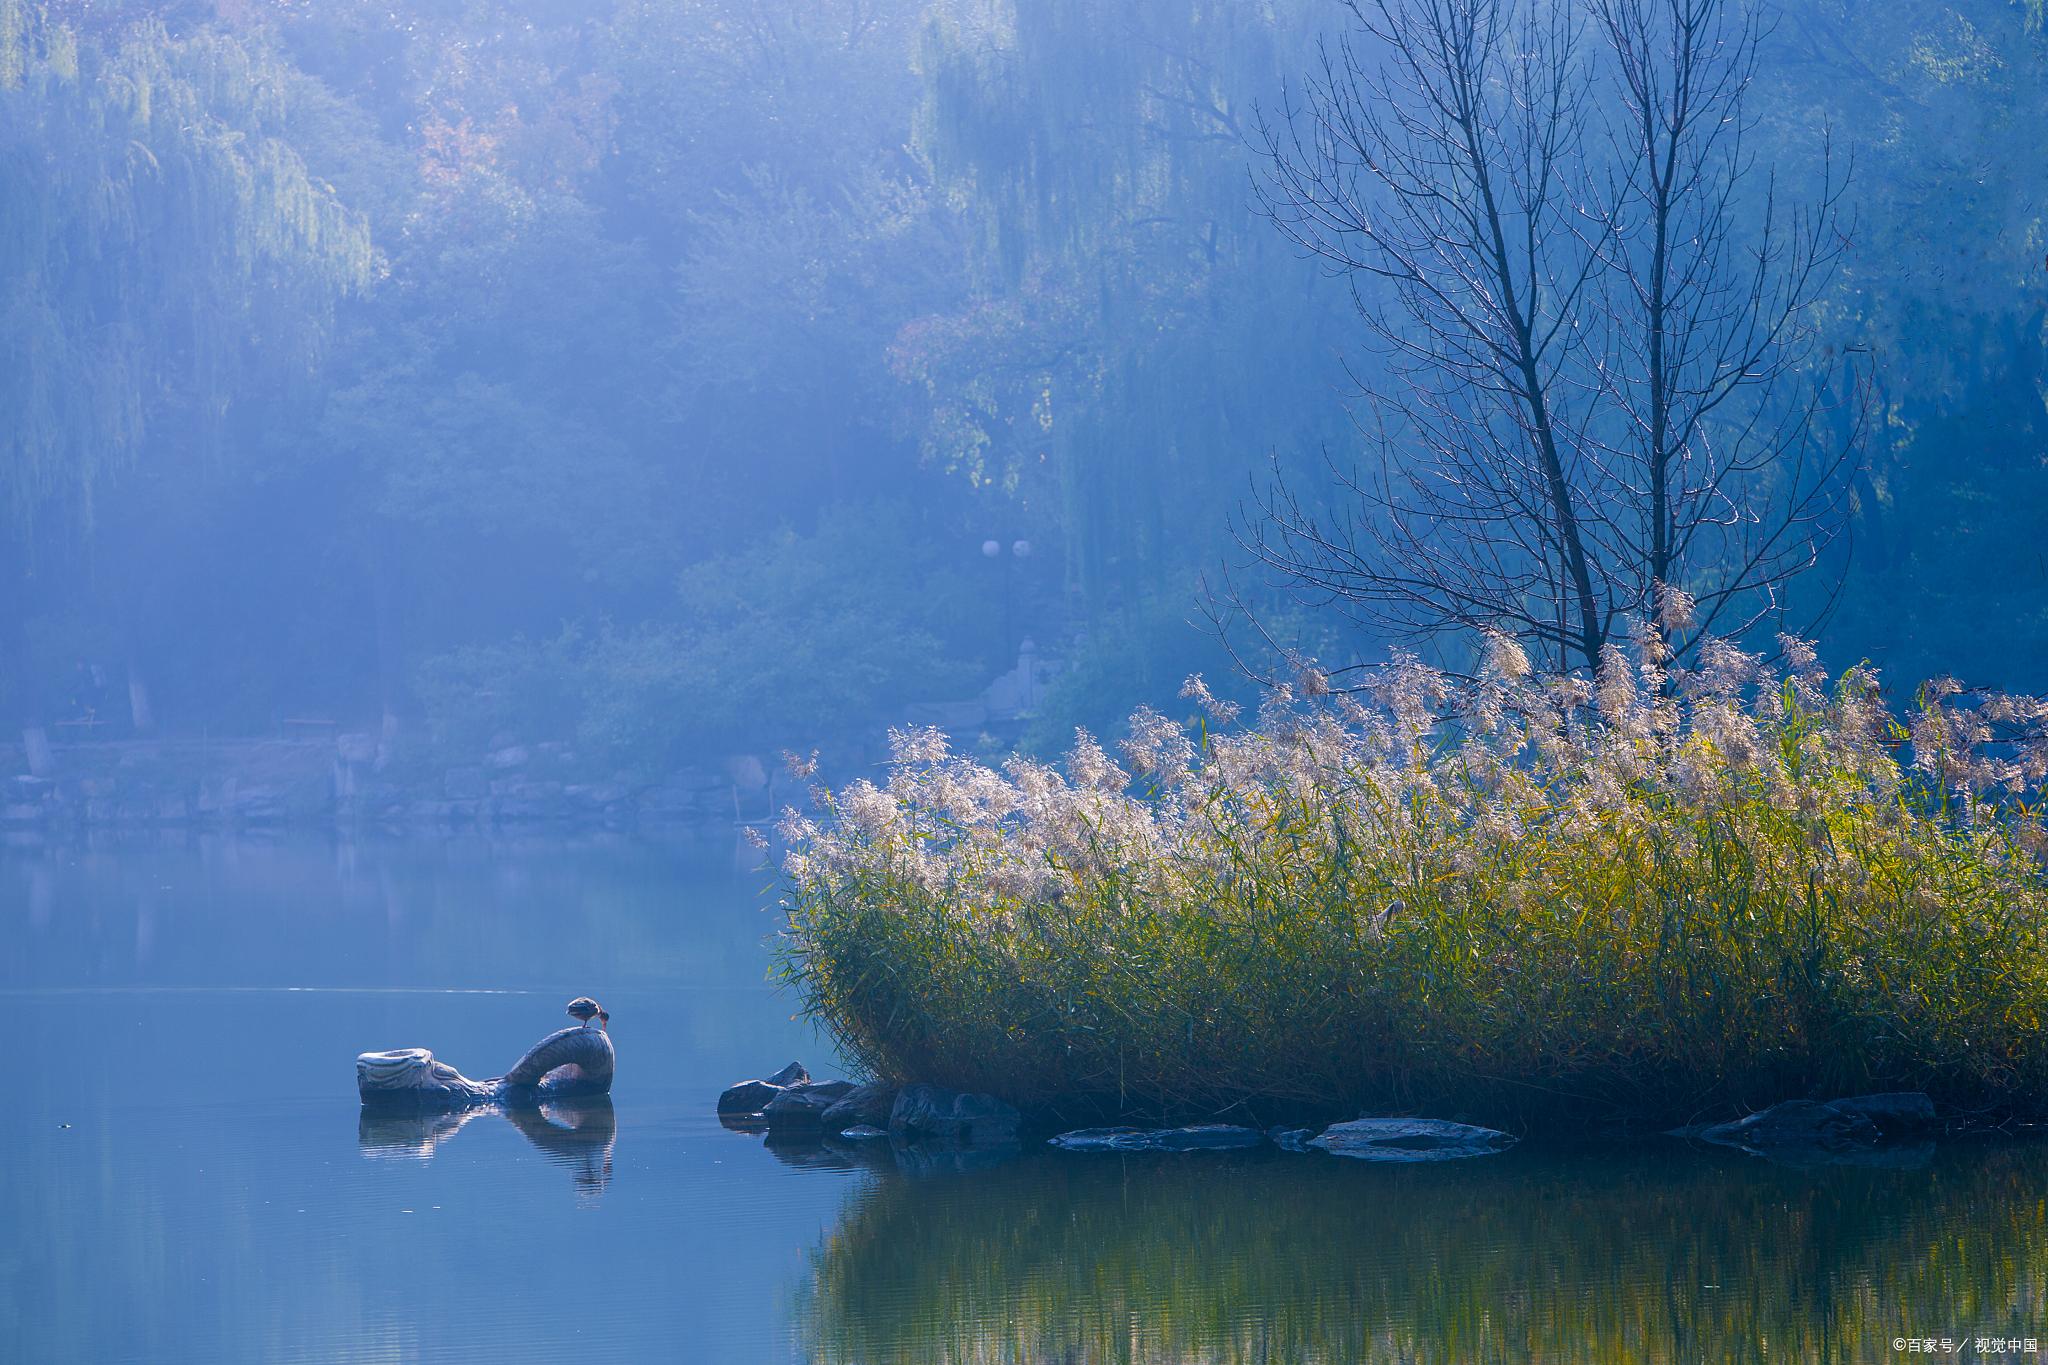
x,y
1663,894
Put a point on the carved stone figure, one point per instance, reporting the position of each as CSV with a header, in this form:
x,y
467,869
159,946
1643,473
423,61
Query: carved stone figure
x,y
570,1062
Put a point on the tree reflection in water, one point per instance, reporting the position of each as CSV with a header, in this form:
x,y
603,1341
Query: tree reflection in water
x,y
576,1134
1667,1256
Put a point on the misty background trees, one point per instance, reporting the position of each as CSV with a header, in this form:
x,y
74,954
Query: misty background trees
x,y
651,373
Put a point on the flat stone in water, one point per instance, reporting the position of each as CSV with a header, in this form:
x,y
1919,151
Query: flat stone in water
x,y
1410,1140
1200,1137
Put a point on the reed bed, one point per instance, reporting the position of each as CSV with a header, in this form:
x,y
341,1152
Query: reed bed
x,y
1657,894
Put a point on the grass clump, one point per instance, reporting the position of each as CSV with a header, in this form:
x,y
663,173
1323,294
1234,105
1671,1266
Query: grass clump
x,y
1662,893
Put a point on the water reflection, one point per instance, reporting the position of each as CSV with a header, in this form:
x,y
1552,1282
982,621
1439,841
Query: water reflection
x,y
1664,1256
577,1137
168,1223
174,1222
574,1134
891,1155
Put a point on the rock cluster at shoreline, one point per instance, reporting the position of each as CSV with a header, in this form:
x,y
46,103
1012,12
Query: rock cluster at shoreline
x,y
790,1105
794,1111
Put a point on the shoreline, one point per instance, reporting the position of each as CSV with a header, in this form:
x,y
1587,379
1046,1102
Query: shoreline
x,y
345,781
792,1111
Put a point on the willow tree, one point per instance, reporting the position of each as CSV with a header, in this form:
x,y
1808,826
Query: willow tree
x,y
1132,340
1603,394
164,257
163,251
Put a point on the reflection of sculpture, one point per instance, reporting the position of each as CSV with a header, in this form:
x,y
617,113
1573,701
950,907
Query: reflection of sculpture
x,y
410,1135
570,1062
573,1133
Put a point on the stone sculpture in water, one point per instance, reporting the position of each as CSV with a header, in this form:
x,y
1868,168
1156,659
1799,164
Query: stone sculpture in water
x,y
568,1063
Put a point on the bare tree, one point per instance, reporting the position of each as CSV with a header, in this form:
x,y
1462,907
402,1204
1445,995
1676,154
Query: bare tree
x,y
1599,383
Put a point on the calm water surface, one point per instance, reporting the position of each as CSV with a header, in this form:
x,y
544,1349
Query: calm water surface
x,y
184,1174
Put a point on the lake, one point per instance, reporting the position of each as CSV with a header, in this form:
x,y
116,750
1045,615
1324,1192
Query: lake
x,y
188,1176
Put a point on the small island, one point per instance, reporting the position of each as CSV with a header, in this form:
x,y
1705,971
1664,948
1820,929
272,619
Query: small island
x,y
1665,895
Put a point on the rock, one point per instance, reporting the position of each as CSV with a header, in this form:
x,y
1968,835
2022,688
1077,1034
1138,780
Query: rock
x,y
1831,1125
802,1108
793,1074
753,1097
1290,1139
868,1105
1893,1111
1795,1123
747,1097
1410,1140
953,1116
1200,1137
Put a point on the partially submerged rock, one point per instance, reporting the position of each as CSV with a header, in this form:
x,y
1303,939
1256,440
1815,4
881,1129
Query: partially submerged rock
x,y
952,1116
1410,1140
754,1097
1200,1137
1290,1139
803,1107
747,1097
797,1111
863,1105
1850,1124
1893,1112
794,1108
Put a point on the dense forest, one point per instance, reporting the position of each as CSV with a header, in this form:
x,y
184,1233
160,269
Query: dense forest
x,y
704,375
